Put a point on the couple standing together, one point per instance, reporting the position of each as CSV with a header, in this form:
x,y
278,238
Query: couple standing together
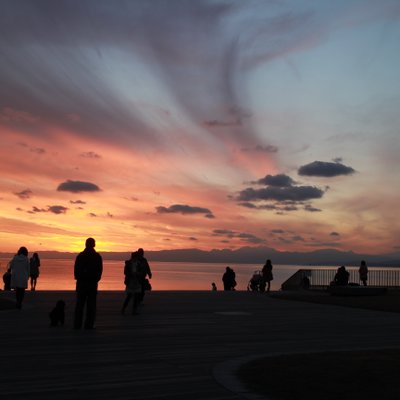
x,y
88,269
136,270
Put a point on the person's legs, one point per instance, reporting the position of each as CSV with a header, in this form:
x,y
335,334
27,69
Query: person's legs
x,y
91,309
80,304
19,294
126,302
141,294
136,301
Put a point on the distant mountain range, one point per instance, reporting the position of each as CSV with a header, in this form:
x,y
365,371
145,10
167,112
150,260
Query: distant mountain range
x,y
247,255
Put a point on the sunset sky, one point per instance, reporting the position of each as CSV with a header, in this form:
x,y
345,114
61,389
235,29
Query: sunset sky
x,y
200,124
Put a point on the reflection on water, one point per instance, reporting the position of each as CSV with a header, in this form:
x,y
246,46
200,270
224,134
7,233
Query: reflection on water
x,y
59,275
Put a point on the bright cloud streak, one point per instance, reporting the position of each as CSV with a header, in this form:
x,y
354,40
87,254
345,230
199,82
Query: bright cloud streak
x,y
168,121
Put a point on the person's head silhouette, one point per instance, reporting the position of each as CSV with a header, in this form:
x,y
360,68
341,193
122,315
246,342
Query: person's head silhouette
x,y
23,251
90,243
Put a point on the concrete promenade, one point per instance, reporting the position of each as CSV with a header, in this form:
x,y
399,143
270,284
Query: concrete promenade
x,y
182,346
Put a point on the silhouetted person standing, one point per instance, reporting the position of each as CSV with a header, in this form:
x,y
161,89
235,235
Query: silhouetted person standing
x,y
143,269
363,271
229,279
267,274
34,264
87,270
20,274
133,283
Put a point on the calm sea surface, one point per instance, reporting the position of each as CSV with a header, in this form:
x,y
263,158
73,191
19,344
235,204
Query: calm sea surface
x,y
57,274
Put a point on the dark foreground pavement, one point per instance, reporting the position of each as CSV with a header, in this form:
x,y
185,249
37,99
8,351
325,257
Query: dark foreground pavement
x,y
182,346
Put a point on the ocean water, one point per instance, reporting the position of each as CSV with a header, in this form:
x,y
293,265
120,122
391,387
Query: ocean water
x,y
58,274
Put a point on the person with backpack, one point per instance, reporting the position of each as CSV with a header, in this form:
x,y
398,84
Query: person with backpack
x,y
144,271
133,286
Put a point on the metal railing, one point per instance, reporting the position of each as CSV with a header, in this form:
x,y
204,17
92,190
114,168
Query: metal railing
x,y
321,278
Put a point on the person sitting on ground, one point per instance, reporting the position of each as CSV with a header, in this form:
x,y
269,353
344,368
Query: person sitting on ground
x,y
341,277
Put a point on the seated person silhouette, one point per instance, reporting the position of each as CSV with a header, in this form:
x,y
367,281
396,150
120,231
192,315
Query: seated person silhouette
x,y
341,277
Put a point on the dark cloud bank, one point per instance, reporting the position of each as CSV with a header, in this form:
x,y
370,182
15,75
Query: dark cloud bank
x,y
281,194
325,169
77,187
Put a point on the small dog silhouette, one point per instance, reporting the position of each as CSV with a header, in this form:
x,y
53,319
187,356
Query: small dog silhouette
x,y
57,314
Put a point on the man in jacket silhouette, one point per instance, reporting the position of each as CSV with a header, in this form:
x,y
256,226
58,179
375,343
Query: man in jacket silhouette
x,y
87,271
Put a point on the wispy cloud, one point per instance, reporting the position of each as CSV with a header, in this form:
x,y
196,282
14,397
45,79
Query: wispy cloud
x,y
12,115
90,154
24,194
56,209
246,237
140,32
261,149
37,150
184,210
77,202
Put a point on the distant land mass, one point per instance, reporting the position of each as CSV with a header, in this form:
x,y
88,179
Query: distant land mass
x,y
247,255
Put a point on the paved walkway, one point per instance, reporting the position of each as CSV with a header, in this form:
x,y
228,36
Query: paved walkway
x,y
182,346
